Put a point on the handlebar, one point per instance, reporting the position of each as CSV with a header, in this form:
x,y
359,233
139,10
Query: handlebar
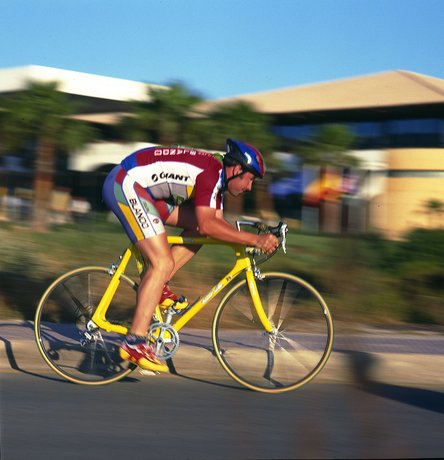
x,y
280,231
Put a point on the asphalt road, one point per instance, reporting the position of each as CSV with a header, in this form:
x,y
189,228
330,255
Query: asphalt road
x,y
173,417
381,395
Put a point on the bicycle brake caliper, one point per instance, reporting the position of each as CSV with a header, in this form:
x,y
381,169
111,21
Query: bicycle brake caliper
x,y
257,271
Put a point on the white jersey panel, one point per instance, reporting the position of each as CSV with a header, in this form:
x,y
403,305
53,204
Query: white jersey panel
x,y
165,172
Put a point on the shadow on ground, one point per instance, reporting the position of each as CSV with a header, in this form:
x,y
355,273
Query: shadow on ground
x,y
363,365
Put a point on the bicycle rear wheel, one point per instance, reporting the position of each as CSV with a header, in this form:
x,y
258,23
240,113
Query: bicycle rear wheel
x,y
73,352
285,359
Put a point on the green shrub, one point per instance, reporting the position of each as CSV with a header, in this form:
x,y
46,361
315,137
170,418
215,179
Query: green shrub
x,y
363,278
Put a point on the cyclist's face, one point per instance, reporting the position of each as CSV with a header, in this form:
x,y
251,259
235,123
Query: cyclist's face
x,y
242,183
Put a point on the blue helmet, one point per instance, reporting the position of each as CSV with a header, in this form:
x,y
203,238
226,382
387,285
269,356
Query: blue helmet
x,y
246,155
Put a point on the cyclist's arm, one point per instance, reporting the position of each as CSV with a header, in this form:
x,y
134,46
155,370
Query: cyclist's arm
x,y
212,223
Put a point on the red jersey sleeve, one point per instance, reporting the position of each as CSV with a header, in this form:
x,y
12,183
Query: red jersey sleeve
x,y
208,188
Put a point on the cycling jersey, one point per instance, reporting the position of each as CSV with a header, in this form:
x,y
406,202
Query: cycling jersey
x,y
150,183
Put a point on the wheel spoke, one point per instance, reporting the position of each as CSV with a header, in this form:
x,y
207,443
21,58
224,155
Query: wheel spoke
x,y
299,358
78,306
245,307
281,302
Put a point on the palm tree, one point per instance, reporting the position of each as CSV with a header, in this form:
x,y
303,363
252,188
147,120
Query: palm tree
x,y
329,147
41,116
435,209
167,119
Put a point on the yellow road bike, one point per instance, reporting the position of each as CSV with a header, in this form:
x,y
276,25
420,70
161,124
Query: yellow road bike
x,y
271,332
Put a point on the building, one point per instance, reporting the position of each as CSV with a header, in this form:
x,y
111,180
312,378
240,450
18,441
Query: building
x,y
397,118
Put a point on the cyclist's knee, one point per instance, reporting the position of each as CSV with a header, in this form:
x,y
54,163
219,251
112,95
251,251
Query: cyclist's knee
x,y
164,266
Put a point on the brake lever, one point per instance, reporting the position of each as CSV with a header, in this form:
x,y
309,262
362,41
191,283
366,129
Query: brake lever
x,y
279,231
283,234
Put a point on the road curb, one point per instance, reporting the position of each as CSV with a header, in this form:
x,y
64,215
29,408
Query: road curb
x,y
398,357
407,369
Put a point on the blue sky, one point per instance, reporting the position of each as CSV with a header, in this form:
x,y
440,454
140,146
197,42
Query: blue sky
x,y
225,47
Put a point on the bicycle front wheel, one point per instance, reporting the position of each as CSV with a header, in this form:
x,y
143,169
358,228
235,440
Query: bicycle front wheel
x,y
63,339
289,356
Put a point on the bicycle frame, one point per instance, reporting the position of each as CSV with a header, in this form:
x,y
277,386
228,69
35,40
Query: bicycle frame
x,y
242,264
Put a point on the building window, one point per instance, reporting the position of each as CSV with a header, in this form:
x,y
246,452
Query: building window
x,y
416,133
368,135
428,132
295,133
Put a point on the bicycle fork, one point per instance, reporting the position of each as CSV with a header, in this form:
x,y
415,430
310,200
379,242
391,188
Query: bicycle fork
x,y
257,302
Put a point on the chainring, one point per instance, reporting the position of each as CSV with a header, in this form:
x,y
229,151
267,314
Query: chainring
x,y
164,339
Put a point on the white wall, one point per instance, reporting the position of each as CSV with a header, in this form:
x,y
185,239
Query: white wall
x,y
98,154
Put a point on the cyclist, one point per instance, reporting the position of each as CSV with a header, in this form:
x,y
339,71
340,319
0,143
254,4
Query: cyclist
x,y
180,187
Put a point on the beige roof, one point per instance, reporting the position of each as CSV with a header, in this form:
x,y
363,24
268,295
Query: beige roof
x,y
386,89
101,118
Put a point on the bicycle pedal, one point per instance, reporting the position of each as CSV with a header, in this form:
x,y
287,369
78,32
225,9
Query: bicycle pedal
x,y
180,304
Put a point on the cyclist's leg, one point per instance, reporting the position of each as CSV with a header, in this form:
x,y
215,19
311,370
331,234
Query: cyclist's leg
x,y
157,251
143,222
142,218
184,217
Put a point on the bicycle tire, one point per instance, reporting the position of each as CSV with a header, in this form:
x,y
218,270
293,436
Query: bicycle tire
x,y
60,326
273,363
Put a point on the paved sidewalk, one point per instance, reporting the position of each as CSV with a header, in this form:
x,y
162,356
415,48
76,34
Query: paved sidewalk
x,y
408,357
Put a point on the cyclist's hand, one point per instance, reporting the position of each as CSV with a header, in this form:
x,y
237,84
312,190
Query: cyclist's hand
x,y
267,242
